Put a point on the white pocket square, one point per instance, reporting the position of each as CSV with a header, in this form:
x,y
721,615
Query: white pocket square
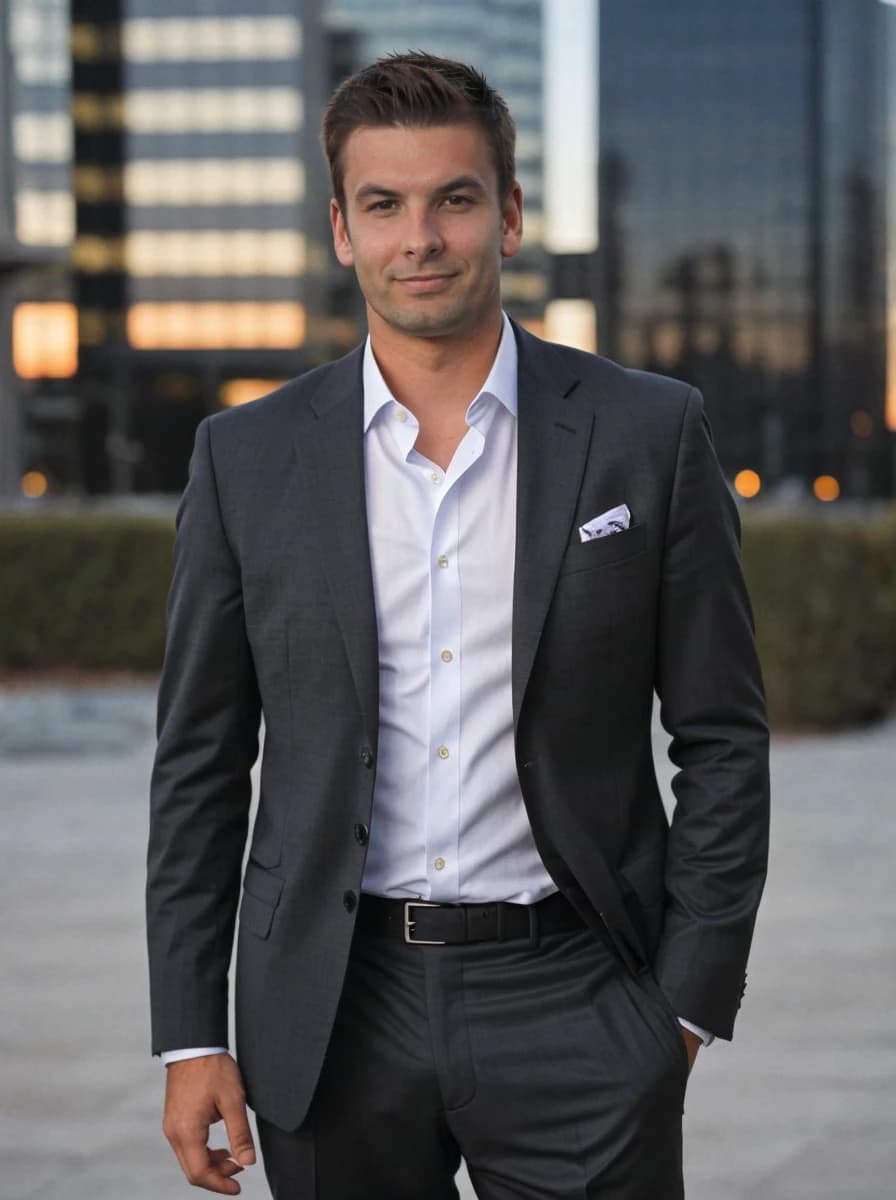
x,y
614,520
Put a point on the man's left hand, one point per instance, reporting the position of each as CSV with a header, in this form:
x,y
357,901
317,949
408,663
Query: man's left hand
x,y
692,1045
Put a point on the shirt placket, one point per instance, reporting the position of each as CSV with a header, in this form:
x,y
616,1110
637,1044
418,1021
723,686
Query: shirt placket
x,y
444,776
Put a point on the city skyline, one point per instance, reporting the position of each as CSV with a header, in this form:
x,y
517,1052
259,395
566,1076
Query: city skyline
x,y
203,272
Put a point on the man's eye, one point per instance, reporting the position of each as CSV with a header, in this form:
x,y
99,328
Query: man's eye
x,y
381,206
456,201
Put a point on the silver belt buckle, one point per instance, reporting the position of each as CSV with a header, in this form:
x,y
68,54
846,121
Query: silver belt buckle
x,y
409,923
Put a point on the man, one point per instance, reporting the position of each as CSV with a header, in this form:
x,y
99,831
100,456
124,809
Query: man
x,y
450,570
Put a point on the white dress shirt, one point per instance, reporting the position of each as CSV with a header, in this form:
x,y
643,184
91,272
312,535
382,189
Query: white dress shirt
x,y
448,821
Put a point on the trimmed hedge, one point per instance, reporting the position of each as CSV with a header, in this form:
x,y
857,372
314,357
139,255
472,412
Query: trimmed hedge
x,y
83,592
824,595
87,592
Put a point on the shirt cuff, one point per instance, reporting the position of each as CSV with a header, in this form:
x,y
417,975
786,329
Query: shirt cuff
x,y
704,1035
172,1056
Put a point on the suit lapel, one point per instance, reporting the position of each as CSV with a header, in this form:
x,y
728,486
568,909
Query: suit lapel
x,y
330,449
554,434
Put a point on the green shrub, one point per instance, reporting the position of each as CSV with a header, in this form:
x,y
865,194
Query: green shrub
x,y
824,594
83,592
87,593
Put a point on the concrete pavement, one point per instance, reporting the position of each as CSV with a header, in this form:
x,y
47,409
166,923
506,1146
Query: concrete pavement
x,y
800,1105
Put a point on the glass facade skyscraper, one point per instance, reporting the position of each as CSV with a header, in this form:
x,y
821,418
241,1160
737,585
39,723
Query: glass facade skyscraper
x,y
743,235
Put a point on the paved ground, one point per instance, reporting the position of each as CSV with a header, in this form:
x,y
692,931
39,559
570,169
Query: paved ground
x,y
801,1105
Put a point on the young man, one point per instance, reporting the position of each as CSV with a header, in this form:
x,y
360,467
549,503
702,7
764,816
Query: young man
x,y
450,570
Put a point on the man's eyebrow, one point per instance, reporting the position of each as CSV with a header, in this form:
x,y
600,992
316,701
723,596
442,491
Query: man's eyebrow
x,y
374,189
460,183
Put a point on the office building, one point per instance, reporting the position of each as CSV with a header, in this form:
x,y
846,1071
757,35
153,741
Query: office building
x,y
38,410
744,228
200,262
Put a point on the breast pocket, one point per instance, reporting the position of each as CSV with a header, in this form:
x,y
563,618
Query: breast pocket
x,y
602,552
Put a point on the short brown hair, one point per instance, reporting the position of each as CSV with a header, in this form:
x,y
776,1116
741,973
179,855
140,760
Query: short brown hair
x,y
418,90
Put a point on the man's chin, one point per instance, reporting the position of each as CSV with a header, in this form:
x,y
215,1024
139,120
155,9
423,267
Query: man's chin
x,y
428,322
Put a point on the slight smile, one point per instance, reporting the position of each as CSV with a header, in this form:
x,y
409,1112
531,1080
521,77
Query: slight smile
x,y
426,283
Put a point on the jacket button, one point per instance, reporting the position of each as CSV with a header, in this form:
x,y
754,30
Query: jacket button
x,y
350,901
367,756
361,834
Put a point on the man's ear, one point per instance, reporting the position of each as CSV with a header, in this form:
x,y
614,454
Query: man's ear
x,y
512,222
341,241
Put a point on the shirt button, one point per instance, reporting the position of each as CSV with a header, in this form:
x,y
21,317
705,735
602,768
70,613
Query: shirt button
x,y
447,656
439,864
435,477
367,756
442,560
350,901
443,751
400,415
361,834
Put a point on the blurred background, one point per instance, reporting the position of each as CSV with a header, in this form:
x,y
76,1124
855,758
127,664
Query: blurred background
x,y
710,192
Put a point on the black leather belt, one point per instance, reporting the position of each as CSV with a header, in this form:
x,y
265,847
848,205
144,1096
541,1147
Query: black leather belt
x,y
422,923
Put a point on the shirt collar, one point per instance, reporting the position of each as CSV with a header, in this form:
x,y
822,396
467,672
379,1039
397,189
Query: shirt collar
x,y
500,385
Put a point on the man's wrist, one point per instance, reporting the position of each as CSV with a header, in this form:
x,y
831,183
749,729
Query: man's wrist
x,y
703,1034
172,1056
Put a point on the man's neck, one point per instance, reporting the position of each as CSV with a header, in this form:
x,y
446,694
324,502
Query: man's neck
x,y
436,378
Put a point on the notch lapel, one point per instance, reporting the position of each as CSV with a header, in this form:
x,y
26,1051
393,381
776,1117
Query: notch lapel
x,y
330,450
553,437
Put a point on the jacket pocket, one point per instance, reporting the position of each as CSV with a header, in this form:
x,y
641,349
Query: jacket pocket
x,y
601,552
261,895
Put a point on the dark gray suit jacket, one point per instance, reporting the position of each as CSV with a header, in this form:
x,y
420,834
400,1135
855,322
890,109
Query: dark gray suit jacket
x,y
271,610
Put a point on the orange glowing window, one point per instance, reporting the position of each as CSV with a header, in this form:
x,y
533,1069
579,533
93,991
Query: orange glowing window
x,y
216,325
45,340
241,391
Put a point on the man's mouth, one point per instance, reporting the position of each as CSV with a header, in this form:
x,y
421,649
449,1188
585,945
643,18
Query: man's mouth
x,y
428,282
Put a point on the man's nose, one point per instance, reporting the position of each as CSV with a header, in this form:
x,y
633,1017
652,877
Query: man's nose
x,y
423,237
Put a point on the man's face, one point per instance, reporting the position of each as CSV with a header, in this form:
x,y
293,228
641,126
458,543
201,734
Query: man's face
x,y
424,227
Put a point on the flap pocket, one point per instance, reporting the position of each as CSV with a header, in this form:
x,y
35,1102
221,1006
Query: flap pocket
x,y
261,895
600,552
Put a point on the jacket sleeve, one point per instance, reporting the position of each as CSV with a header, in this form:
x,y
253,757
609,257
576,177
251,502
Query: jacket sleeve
x,y
712,704
208,719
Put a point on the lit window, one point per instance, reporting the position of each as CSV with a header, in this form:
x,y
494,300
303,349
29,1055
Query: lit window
x,y
45,340
96,255
205,110
95,110
45,218
42,137
38,39
240,391
571,323
214,181
215,252
179,39
216,326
